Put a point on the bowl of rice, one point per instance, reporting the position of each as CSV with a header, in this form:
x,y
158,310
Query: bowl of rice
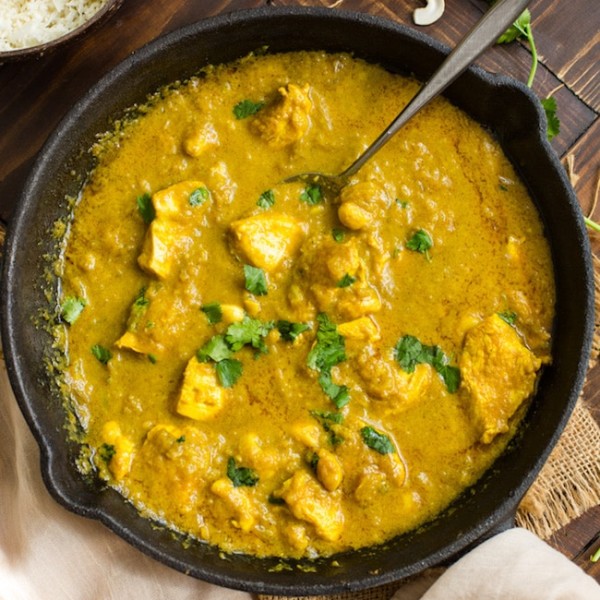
x,y
34,27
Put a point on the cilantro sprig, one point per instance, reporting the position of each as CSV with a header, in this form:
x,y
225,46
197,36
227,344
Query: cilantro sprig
x,y
376,440
290,331
328,351
220,349
241,476
255,280
71,309
410,352
522,29
420,242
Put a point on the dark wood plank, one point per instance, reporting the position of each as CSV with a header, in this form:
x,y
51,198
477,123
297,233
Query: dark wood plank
x,y
568,41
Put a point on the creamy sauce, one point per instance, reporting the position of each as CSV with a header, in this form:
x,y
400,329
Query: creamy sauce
x,y
279,372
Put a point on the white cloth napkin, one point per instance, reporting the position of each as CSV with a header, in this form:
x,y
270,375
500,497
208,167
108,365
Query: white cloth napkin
x,y
48,553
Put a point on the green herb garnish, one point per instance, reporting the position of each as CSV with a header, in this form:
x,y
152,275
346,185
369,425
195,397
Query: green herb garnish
x,y
71,309
106,452
180,439
213,312
346,281
247,108
255,280
552,121
290,331
241,476
266,199
312,195
420,242
376,440
410,352
508,316
338,234
199,196
215,349
328,421
522,28
152,358
249,332
146,208
328,351
229,370
101,353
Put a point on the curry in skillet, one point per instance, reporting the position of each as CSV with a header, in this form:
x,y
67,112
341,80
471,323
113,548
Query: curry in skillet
x,y
281,372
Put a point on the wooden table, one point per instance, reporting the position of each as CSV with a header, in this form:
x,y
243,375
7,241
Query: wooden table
x,y
36,93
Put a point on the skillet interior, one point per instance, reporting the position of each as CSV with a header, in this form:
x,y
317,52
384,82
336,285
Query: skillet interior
x,y
507,107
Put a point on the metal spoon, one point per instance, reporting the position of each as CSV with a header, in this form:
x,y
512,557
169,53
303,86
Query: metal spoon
x,y
488,29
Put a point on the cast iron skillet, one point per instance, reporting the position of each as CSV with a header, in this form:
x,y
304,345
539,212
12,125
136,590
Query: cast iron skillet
x,y
505,106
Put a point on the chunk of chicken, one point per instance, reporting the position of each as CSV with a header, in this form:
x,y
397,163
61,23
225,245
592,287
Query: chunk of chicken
x,y
329,470
118,450
287,120
364,329
200,140
172,207
266,240
200,397
238,501
499,373
309,502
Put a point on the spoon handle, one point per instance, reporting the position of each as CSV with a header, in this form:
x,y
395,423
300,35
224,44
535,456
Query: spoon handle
x,y
487,30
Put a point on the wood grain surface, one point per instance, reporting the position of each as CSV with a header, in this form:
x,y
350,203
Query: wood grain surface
x,y
36,93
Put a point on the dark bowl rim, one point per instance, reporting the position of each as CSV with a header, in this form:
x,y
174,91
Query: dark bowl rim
x,y
102,14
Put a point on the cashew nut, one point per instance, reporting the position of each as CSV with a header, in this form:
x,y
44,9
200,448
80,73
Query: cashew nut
x,y
429,14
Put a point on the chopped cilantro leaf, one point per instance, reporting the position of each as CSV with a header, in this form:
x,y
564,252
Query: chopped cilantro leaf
x,y
106,452
552,121
247,108
152,358
326,417
410,352
346,281
241,476
71,309
338,234
290,331
213,312
330,348
229,370
338,393
402,203
517,29
215,349
199,196
267,199
141,303
376,440
312,458
420,242
180,439
248,331
508,316
255,280
101,353
146,208
275,500
312,195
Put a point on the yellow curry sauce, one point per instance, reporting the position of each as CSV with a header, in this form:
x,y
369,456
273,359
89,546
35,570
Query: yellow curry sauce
x,y
280,372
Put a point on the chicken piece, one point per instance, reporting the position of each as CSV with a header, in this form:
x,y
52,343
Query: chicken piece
x,y
286,121
329,470
172,208
307,432
238,501
309,502
200,140
361,203
343,259
118,450
266,240
232,313
499,373
201,397
156,258
363,329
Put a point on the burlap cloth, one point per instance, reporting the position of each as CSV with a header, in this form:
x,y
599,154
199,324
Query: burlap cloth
x,y
568,485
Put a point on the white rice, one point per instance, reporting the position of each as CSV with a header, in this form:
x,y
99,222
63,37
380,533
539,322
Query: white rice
x,y
26,23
